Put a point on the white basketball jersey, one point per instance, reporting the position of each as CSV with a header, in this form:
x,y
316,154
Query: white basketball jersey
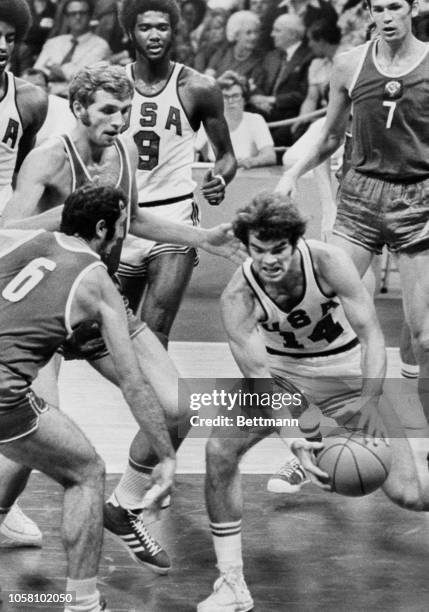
x,y
165,142
315,327
10,132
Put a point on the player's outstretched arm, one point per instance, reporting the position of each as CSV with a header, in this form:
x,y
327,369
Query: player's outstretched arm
x,y
36,172
332,134
218,240
338,270
32,103
240,316
97,298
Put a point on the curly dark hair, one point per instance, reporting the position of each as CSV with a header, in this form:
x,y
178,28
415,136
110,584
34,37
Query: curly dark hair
x,y
88,205
131,8
271,216
16,13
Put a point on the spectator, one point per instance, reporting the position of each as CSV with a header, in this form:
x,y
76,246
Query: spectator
x,y
60,119
242,33
311,11
354,22
213,38
251,139
42,13
63,55
282,87
193,12
109,28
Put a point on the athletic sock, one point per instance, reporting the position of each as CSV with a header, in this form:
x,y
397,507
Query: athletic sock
x,y
86,597
227,545
132,487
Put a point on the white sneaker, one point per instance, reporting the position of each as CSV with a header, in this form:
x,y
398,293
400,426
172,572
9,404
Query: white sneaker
x,y
18,529
289,479
230,594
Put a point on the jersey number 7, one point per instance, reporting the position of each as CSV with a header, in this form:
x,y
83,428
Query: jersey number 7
x,y
391,106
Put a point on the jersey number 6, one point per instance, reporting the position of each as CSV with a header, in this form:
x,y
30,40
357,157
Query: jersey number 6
x,y
27,279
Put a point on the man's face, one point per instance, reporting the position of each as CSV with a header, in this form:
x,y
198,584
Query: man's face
x,y
259,7
105,118
233,98
7,43
271,258
392,18
120,230
152,34
78,17
317,46
283,36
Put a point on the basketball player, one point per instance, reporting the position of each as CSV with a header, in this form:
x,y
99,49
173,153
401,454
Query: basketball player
x,y
23,107
296,311
100,97
63,279
384,197
170,103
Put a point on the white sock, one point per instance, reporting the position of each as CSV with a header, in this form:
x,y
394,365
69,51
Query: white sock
x,y
131,489
227,545
86,597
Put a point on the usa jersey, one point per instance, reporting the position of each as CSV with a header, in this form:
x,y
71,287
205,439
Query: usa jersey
x,y
11,131
39,274
390,125
165,142
81,176
315,327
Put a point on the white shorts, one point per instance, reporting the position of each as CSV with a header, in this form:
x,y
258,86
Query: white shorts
x,y
138,252
331,383
5,195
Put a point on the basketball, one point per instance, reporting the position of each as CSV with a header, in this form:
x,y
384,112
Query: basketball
x,y
355,467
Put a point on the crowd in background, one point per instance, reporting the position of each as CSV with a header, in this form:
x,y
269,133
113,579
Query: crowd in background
x,y
277,56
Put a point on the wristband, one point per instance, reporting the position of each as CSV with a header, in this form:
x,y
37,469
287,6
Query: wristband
x,y
222,180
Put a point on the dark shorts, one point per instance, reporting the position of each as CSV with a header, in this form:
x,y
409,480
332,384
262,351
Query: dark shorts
x,y
22,418
373,212
86,342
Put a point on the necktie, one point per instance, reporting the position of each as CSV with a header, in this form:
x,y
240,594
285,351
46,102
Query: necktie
x,y
281,73
68,56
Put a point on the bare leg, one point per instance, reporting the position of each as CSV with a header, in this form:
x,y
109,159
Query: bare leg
x,y
59,449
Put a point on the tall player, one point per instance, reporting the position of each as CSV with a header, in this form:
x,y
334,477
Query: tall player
x,y
170,103
100,98
63,279
23,107
384,197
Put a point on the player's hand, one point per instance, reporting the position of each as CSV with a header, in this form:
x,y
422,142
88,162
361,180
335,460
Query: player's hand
x,y
304,450
159,487
286,186
213,188
370,420
220,240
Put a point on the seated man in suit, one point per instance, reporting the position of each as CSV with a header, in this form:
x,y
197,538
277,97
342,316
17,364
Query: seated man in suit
x,y
283,85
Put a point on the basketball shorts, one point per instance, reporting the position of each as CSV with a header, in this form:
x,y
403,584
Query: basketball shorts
x,y
373,212
331,383
137,253
86,342
21,418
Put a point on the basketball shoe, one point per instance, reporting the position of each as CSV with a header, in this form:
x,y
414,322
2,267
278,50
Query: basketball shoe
x,y
289,479
130,528
18,529
230,594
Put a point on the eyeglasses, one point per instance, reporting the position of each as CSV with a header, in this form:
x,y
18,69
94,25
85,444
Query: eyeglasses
x,y
232,97
76,13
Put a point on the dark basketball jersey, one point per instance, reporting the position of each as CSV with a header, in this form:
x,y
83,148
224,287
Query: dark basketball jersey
x,y
391,120
81,176
39,274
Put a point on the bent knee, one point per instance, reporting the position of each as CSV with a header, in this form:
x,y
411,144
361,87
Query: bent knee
x,y
221,456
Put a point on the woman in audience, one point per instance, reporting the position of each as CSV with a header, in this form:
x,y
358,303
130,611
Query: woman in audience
x,y
213,38
250,136
242,56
